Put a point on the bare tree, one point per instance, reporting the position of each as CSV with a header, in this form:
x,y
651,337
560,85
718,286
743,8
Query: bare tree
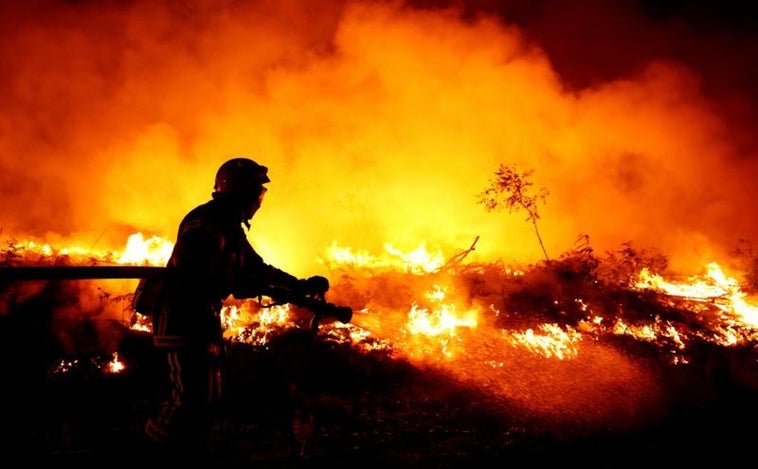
x,y
510,190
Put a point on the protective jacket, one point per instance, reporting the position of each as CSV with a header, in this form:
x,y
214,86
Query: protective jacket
x,y
211,260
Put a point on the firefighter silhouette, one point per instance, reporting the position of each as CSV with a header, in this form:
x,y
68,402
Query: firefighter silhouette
x,y
211,260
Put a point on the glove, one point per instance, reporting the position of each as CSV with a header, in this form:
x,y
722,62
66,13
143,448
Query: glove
x,y
313,286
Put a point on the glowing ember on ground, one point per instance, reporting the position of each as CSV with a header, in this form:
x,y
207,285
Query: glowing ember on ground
x,y
112,365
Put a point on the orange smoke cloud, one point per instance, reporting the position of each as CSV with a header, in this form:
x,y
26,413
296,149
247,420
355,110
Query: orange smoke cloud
x,y
380,123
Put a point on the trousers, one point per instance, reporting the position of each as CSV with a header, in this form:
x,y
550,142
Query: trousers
x,y
191,396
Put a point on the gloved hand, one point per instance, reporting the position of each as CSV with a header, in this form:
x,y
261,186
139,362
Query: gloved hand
x,y
313,286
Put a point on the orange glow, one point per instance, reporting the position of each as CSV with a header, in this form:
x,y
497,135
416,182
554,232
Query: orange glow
x,y
380,122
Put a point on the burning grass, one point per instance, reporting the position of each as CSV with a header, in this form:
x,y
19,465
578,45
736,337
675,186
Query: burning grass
x,y
436,366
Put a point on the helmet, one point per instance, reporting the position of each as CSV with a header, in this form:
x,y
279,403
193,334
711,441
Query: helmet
x,y
241,177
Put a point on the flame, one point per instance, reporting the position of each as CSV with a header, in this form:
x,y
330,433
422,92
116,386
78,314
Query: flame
x,y
443,320
419,260
435,329
142,323
712,285
248,322
138,250
153,251
737,320
551,341
115,365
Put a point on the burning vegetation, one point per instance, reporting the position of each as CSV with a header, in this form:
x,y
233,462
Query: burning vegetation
x,y
571,346
422,297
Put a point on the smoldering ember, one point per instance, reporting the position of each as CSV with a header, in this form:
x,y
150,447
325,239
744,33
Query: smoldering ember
x,y
536,218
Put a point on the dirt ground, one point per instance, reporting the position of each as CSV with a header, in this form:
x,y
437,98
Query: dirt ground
x,y
296,403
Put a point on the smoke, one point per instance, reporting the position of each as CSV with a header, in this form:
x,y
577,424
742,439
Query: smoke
x,y
380,123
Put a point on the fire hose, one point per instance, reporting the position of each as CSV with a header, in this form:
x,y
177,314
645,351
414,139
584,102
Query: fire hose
x,y
317,304
78,272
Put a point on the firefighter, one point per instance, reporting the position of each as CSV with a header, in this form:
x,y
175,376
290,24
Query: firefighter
x,y
211,260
